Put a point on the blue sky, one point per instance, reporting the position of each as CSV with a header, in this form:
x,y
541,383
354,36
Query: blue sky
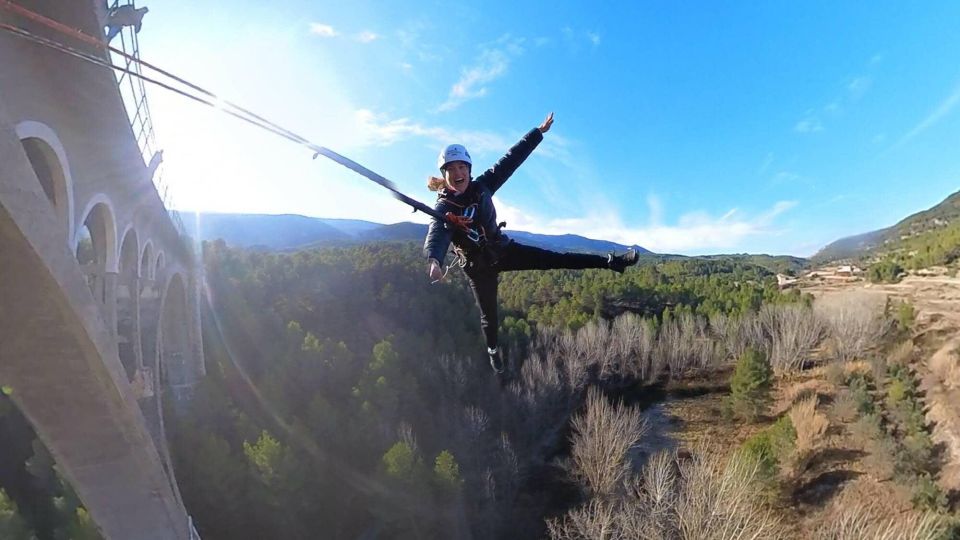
x,y
688,128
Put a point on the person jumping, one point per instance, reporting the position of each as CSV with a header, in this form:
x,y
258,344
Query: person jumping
x,y
483,249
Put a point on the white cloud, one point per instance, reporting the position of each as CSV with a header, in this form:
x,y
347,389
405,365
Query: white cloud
x,y
694,232
808,125
490,66
366,36
943,109
322,30
378,130
594,38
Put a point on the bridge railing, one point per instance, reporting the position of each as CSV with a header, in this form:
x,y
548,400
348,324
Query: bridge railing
x,y
134,93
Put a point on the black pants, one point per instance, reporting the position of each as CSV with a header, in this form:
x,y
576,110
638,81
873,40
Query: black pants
x,y
484,278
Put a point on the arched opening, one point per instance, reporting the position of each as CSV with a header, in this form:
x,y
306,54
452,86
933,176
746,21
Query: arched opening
x,y
146,272
128,300
48,158
174,338
95,248
149,306
158,268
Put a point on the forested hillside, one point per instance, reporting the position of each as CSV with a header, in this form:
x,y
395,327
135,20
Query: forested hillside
x,y
929,237
346,394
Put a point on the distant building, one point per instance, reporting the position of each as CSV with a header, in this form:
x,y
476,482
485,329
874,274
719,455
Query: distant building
x,y
784,281
848,270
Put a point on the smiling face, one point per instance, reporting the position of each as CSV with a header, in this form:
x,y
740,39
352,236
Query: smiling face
x,y
457,176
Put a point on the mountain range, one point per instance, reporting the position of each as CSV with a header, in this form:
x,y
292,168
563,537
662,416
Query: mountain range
x,y
291,232
927,222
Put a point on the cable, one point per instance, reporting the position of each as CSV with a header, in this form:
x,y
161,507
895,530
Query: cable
x,y
238,112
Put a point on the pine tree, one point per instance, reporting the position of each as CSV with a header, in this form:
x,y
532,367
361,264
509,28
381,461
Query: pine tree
x,y
750,385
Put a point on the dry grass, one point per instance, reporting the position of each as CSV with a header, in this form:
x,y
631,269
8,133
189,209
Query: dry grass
x,y
811,426
901,354
862,523
844,407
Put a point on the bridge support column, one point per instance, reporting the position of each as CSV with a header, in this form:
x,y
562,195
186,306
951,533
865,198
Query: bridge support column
x,y
110,301
135,331
195,296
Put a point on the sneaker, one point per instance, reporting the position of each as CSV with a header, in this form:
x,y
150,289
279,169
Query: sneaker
x,y
496,360
619,263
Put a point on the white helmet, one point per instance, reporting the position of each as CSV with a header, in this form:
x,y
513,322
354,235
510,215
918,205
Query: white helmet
x,y
454,152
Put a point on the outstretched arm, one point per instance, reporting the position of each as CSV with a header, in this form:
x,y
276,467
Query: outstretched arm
x,y
437,242
494,177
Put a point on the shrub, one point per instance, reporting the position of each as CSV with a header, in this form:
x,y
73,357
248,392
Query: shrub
x,y
905,316
901,354
446,473
927,495
750,385
770,447
860,392
835,373
885,271
844,407
809,427
914,455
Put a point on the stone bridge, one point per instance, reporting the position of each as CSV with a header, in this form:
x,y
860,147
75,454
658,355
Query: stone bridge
x,y
99,316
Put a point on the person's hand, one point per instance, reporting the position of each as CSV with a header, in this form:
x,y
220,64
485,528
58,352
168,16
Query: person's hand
x,y
547,122
434,271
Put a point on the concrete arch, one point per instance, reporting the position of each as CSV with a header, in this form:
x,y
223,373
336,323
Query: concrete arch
x,y
173,338
128,303
159,264
130,259
110,249
146,260
30,129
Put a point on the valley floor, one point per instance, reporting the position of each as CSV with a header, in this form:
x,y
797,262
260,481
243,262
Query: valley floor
x,y
845,469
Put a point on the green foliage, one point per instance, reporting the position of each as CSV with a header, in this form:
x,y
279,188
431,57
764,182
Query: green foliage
x,y
885,271
81,527
12,525
266,456
333,352
927,495
905,316
860,391
770,449
750,385
446,472
401,462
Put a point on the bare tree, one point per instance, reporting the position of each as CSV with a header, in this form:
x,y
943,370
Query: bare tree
x,y
693,499
597,520
603,436
791,332
855,321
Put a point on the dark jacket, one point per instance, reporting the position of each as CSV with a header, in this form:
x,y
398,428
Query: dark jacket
x,y
477,198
